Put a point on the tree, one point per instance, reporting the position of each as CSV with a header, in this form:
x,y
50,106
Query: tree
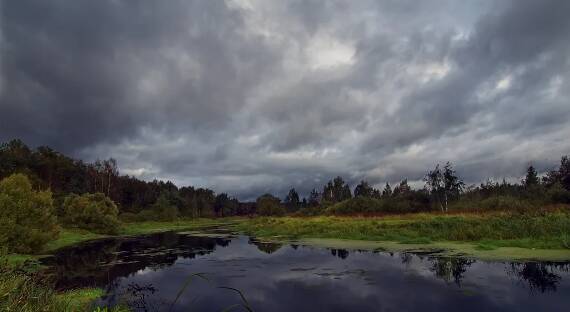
x,y
93,212
444,185
435,185
336,191
164,209
28,219
225,205
269,205
363,189
531,178
387,192
111,170
314,198
402,189
561,176
292,201
452,183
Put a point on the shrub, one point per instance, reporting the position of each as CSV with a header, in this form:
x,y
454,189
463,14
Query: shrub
x,y
367,205
268,205
497,202
505,203
27,219
147,215
128,217
93,212
357,205
558,194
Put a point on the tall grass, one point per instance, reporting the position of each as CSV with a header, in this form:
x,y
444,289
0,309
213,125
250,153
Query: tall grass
x,y
548,230
23,289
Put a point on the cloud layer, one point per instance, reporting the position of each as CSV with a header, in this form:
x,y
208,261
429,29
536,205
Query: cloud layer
x,y
251,96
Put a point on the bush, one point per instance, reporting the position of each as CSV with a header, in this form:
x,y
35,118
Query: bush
x,y
93,212
268,205
367,205
558,194
147,215
493,203
357,205
28,221
505,203
128,217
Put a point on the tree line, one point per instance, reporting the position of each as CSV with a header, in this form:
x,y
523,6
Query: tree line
x,y
139,200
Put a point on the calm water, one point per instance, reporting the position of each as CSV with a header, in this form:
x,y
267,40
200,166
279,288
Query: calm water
x,y
149,272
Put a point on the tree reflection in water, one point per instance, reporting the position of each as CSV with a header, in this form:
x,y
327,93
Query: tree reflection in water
x,y
266,247
450,268
538,276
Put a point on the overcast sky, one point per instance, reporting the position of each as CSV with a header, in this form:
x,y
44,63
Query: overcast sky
x,y
253,96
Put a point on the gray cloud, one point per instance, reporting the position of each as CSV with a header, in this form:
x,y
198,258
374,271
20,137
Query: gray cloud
x,y
255,96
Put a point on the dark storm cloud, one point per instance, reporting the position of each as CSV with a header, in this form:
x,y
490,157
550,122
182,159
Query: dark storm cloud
x,y
250,96
81,73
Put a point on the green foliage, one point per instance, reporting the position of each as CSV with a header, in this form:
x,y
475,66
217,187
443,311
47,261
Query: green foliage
x,y
164,209
292,201
531,178
550,230
357,205
558,194
268,205
93,212
336,191
494,203
410,202
28,221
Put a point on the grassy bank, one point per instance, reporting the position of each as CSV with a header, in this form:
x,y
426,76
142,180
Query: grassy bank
x,y
500,235
22,292
68,237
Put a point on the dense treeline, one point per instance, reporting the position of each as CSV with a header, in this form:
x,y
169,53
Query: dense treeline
x,y
136,199
42,190
139,200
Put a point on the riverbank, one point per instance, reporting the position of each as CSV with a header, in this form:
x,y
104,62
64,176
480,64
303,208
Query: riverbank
x,y
69,237
491,236
16,286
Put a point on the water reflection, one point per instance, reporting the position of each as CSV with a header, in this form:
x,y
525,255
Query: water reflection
x,y
538,276
450,268
149,272
96,264
266,247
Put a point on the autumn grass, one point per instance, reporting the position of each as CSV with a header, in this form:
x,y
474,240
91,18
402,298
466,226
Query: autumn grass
x,y
487,231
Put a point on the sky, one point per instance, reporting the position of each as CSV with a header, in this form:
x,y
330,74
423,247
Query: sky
x,y
255,96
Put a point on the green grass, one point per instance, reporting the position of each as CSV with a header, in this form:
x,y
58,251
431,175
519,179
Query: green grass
x,y
482,232
23,292
138,228
68,237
